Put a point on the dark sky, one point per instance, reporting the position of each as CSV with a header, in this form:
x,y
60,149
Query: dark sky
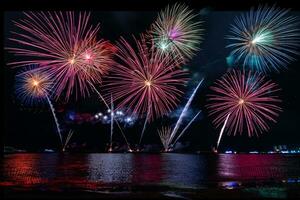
x,y
33,128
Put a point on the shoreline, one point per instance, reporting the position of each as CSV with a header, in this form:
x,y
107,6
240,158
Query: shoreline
x,y
157,192
193,153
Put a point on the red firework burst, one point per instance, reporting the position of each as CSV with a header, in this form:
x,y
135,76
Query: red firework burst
x,y
249,100
143,81
66,46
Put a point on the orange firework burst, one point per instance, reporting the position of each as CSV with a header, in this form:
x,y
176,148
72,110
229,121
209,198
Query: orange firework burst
x,y
33,85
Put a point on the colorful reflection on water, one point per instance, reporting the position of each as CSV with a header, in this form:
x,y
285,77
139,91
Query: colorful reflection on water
x,y
57,172
257,167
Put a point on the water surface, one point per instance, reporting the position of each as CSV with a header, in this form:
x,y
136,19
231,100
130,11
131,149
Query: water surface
x,y
124,171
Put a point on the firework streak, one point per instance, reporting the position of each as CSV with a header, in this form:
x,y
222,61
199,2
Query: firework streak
x,y
222,131
183,113
164,135
185,128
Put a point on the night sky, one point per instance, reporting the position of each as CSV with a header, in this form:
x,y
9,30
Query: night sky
x,y
33,127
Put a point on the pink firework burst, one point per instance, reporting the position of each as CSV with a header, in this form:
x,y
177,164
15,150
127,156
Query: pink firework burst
x,y
143,81
64,45
249,100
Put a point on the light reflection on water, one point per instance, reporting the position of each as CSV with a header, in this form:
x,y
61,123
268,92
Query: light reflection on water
x,y
257,167
110,168
98,171
176,165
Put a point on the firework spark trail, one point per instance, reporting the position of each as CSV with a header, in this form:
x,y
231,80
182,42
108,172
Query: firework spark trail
x,y
186,107
101,97
264,39
249,98
187,126
70,134
164,135
111,121
55,119
144,127
64,45
222,130
145,123
34,85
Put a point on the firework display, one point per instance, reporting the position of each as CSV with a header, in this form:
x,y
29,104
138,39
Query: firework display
x,y
177,32
250,100
180,100
65,46
265,39
144,82
33,86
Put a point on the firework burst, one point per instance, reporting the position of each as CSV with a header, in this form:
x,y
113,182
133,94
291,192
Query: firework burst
x,y
143,81
177,32
66,47
33,85
265,39
246,100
